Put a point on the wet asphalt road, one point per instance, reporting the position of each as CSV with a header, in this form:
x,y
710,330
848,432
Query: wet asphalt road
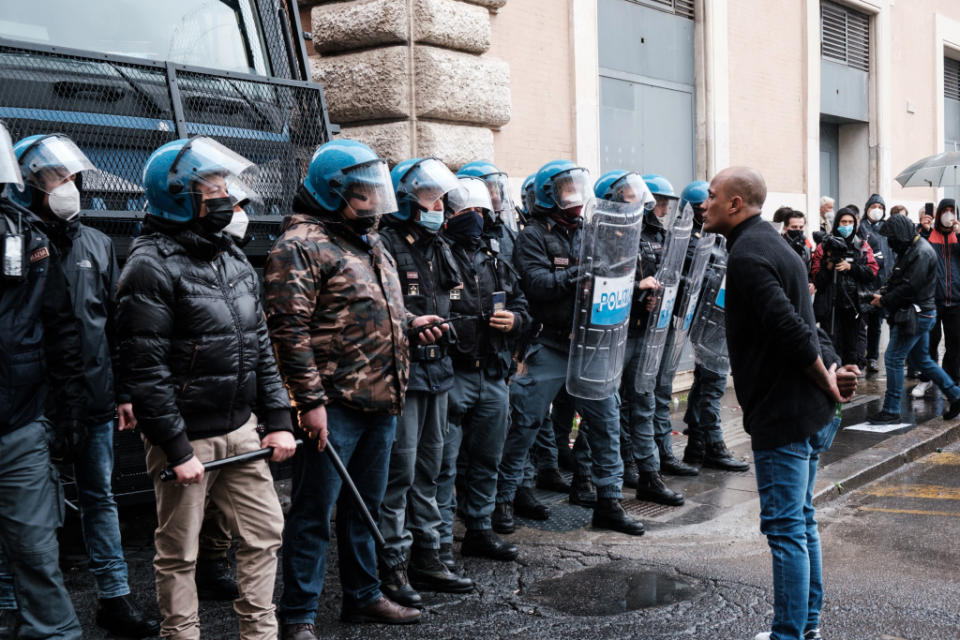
x,y
891,564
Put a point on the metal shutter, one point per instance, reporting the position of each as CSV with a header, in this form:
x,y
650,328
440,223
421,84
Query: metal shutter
x,y
683,8
951,79
844,35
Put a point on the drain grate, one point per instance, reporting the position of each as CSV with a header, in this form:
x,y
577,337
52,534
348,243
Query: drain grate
x,y
639,509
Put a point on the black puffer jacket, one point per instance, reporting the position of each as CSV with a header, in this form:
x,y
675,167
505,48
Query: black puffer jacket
x,y
914,277
194,350
39,335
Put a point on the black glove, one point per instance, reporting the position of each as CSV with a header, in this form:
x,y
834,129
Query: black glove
x,y
68,439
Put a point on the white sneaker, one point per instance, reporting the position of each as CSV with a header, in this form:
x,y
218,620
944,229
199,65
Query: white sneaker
x,y
763,636
921,389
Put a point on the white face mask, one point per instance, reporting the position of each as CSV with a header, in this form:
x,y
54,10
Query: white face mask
x,y
64,201
238,224
875,214
947,219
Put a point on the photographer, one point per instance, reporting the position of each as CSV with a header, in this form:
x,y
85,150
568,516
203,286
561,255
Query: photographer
x,y
842,266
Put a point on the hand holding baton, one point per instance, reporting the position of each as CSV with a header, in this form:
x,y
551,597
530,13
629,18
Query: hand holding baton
x,y
168,474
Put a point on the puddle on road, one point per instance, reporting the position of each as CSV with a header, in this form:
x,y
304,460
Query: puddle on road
x,y
611,589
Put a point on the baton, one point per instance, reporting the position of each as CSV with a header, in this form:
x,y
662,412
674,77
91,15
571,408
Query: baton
x,y
347,480
168,474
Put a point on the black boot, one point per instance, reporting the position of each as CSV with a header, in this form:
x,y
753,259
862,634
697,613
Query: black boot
x,y
396,586
8,623
694,451
503,518
526,505
215,580
483,543
582,492
428,573
630,474
446,556
551,480
565,458
609,514
653,489
717,456
121,617
673,467
298,631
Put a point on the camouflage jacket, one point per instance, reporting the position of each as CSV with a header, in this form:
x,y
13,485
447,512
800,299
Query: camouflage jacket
x,y
336,315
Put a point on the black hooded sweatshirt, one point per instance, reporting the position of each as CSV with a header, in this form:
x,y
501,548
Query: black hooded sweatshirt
x,y
914,277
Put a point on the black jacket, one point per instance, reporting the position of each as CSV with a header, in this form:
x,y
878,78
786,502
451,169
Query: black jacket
x,y
871,232
90,263
427,274
500,239
546,257
850,285
914,277
478,347
194,350
39,335
772,338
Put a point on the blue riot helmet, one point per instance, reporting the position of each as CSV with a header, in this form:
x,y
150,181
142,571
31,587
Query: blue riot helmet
x,y
9,167
666,200
48,164
695,194
420,185
528,193
624,186
180,173
349,172
498,184
562,185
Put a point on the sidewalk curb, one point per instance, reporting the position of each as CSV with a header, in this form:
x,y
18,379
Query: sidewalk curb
x,y
843,476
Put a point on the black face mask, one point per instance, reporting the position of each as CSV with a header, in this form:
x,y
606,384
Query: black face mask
x,y
219,214
795,236
467,224
361,226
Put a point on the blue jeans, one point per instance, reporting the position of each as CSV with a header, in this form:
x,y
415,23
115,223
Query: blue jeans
x,y
530,398
637,414
98,519
479,410
31,511
703,405
363,441
916,349
785,480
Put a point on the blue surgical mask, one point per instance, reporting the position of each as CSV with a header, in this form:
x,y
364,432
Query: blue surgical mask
x,y
845,230
431,220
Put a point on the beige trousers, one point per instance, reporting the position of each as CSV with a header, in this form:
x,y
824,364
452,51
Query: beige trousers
x,y
247,498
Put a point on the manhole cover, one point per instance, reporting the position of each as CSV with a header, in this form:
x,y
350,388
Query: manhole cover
x,y
611,589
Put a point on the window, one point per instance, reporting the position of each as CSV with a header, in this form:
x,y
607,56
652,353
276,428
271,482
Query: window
x,y
844,35
682,8
951,78
222,34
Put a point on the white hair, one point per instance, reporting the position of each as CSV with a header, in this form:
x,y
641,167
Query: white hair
x,y
825,200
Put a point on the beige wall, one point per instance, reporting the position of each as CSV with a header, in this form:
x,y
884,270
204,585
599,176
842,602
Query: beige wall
x,y
533,36
766,62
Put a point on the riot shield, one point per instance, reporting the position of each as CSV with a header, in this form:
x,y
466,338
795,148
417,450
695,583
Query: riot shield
x,y
601,318
690,287
658,322
708,333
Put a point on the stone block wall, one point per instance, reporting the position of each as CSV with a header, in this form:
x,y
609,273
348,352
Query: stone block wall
x,y
409,77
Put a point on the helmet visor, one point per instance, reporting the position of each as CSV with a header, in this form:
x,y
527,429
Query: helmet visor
x,y
665,210
9,167
499,186
241,195
50,161
571,188
367,189
473,193
632,188
207,169
429,181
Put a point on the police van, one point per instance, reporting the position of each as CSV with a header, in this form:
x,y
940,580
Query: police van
x,y
122,77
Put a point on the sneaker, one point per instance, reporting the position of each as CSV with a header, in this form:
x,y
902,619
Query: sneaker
x,y
812,634
883,417
763,636
873,366
921,389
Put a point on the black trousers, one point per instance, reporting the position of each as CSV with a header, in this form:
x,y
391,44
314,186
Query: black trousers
x,y
948,325
846,335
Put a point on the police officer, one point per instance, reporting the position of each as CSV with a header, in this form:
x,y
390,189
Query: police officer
x,y
52,167
492,312
500,224
546,256
636,411
525,206
39,343
336,316
705,445
409,515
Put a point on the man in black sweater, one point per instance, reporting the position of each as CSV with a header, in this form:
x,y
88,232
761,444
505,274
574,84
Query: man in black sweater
x,y
789,397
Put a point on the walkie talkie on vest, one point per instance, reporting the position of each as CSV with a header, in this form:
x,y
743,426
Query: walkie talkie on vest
x,y
14,252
